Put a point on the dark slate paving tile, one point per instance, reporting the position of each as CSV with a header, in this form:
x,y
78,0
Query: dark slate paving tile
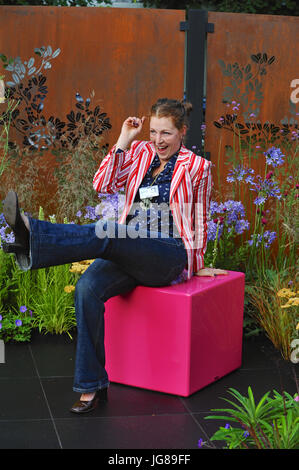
x,y
22,399
28,435
260,353
260,380
122,400
134,432
54,355
18,361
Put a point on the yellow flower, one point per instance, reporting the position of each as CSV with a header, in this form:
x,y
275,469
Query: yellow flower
x,y
69,289
291,303
80,267
285,293
297,326
294,301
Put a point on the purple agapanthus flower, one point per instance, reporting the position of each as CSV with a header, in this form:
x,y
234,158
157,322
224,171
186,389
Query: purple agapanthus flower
x,y
212,230
256,240
231,215
233,210
260,200
6,236
268,237
90,213
274,156
240,173
265,188
111,205
241,226
213,208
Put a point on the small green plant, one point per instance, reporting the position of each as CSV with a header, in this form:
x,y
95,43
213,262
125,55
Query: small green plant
x,y
45,301
272,423
16,326
52,304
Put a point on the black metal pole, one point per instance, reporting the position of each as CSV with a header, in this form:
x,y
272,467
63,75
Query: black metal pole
x,y
196,27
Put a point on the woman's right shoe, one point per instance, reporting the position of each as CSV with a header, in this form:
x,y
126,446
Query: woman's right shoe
x,y
14,219
82,406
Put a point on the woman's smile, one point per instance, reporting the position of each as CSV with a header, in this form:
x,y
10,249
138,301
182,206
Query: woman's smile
x,y
165,136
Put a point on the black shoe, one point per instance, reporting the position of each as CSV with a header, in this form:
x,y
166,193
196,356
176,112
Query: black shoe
x,y
14,219
85,406
13,248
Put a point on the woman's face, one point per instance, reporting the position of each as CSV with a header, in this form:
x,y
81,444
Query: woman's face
x,y
165,136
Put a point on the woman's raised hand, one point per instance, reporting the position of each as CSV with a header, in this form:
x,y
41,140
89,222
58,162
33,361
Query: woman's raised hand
x,y
211,272
131,127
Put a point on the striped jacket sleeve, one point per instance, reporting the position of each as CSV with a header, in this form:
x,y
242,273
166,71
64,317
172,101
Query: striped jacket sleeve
x,y
113,171
202,188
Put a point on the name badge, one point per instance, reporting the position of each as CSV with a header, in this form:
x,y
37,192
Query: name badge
x,y
149,192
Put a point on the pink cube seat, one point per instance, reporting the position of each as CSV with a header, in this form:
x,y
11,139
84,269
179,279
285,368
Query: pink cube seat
x,y
176,339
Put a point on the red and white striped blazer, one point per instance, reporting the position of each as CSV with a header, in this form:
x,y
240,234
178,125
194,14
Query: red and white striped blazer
x,y
190,191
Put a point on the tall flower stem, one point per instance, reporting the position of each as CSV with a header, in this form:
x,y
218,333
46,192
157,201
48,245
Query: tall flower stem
x,y
215,247
218,166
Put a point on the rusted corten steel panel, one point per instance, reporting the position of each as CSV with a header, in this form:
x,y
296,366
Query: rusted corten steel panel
x,y
236,38
129,57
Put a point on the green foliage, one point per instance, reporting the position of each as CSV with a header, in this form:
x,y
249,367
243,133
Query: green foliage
x,y
61,3
276,308
53,307
272,423
15,327
34,299
266,7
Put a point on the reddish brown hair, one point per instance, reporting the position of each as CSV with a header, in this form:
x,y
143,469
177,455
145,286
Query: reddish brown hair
x,y
177,110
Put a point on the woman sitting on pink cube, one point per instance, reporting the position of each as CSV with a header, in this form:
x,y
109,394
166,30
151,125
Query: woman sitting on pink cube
x,y
161,233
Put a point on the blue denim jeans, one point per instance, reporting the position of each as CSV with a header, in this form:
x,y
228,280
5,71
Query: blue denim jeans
x,y
123,260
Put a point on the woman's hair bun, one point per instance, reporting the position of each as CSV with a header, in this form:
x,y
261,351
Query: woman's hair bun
x,y
187,106
178,110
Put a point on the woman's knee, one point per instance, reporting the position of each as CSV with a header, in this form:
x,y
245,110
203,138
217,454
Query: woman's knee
x,y
82,287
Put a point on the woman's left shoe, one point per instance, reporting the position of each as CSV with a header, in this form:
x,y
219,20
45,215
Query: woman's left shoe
x,y
85,406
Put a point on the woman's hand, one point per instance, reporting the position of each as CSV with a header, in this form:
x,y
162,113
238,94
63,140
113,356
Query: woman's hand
x,y
210,272
131,127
